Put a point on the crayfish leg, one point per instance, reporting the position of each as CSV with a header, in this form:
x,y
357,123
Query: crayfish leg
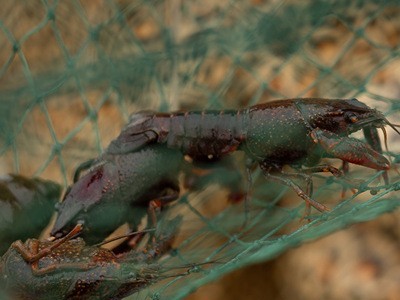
x,y
345,168
60,266
290,183
334,171
156,204
305,177
309,189
34,255
27,253
324,168
31,254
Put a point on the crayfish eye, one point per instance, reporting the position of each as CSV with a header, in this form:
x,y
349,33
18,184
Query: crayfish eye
x,y
352,118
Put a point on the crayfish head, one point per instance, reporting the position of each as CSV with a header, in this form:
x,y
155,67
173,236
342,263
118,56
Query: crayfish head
x,y
341,116
355,115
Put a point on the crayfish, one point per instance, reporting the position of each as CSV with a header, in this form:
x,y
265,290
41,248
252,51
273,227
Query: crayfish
x,y
294,132
69,269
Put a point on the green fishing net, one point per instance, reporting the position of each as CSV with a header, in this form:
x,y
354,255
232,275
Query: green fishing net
x,y
71,72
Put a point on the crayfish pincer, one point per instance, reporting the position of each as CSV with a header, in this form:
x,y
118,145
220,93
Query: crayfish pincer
x,y
119,189
294,132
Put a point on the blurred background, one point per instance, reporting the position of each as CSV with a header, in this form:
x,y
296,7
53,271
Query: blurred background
x,y
71,72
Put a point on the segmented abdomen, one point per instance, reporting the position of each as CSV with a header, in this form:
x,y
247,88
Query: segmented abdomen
x,y
202,134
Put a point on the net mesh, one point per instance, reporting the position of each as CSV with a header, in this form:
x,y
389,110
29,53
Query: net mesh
x,y
72,71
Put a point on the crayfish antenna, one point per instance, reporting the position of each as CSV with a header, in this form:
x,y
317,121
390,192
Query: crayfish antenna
x,y
387,150
124,236
385,138
393,126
